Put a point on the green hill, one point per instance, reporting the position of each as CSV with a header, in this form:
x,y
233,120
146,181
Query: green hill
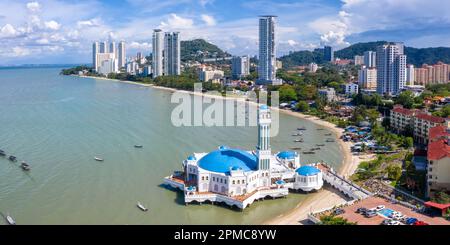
x,y
199,49
415,56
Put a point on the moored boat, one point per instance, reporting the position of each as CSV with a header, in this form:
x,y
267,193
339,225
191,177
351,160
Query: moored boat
x,y
2,153
142,207
330,140
320,144
301,128
138,146
13,158
309,152
10,220
98,159
25,166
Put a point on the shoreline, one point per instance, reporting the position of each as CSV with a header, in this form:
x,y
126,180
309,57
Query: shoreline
x,y
324,198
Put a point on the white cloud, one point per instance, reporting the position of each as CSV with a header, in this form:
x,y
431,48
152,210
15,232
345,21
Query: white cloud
x,y
52,25
203,3
209,20
33,6
140,46
89,23
42,41
177,22
20,51
8,31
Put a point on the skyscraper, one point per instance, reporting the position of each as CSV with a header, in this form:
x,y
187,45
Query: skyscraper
x,y
172,55
370,59
95,51
267,50
240,66
121,55
157,54
391,69
328,53
103,47
410,76
113,49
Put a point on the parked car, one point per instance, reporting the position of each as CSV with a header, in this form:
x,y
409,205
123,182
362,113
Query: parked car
x,y
379,208
339,211
370,214
411,221
420,223
361,210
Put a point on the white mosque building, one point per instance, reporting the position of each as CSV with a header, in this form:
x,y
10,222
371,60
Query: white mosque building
x,y
238,178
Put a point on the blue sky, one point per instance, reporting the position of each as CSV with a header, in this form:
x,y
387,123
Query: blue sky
x,y
61,31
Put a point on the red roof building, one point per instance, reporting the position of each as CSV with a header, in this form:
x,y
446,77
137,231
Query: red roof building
x,y
438,150
430,118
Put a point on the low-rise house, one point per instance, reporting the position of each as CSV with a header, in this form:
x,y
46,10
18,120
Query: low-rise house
x,y
438,176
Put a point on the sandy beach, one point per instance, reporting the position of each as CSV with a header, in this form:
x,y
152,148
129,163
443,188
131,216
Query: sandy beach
x,y
323,199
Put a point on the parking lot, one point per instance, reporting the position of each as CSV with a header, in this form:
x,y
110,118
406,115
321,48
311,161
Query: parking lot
x,y
372,202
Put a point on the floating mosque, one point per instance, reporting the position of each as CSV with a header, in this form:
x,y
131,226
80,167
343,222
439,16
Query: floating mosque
x,y
238,177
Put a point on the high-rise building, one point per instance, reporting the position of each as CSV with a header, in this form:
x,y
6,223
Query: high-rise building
x,y
157,54
267,68
240,66
328,53
370,59
95,51
359,60
410,77
113,49
121,55
106,63
172,59
103,47
367,78
313,67
391,69
432,74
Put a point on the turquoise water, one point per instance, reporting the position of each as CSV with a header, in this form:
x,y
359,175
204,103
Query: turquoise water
x,y
59,123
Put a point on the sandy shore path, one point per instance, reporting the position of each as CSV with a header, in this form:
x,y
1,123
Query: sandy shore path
x,y
326,197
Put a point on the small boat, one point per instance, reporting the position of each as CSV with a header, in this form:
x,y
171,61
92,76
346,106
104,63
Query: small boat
x,y
296,148
138,146
320,129
330,140
141,207
2,153
13,158
315,149
301,128
328,134
25,166
98,159
10,220
309,152
320,145
298,134
298,141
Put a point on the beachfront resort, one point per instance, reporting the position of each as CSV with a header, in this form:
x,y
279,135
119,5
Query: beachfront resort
x,y
238,178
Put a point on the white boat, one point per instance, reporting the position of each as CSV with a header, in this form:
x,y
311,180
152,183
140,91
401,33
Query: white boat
x,y
98,159
10,220
141,207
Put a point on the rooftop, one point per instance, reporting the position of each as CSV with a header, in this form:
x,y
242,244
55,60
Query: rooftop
x,y
307,171
224,159
438,132
438,150
430,118
403,111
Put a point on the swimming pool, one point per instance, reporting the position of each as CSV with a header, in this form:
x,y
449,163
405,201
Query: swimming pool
x,y
386,212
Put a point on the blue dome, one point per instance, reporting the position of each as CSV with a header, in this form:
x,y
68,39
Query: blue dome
x,y
264,107
307,171
287,155
191,158
222,160
280,182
